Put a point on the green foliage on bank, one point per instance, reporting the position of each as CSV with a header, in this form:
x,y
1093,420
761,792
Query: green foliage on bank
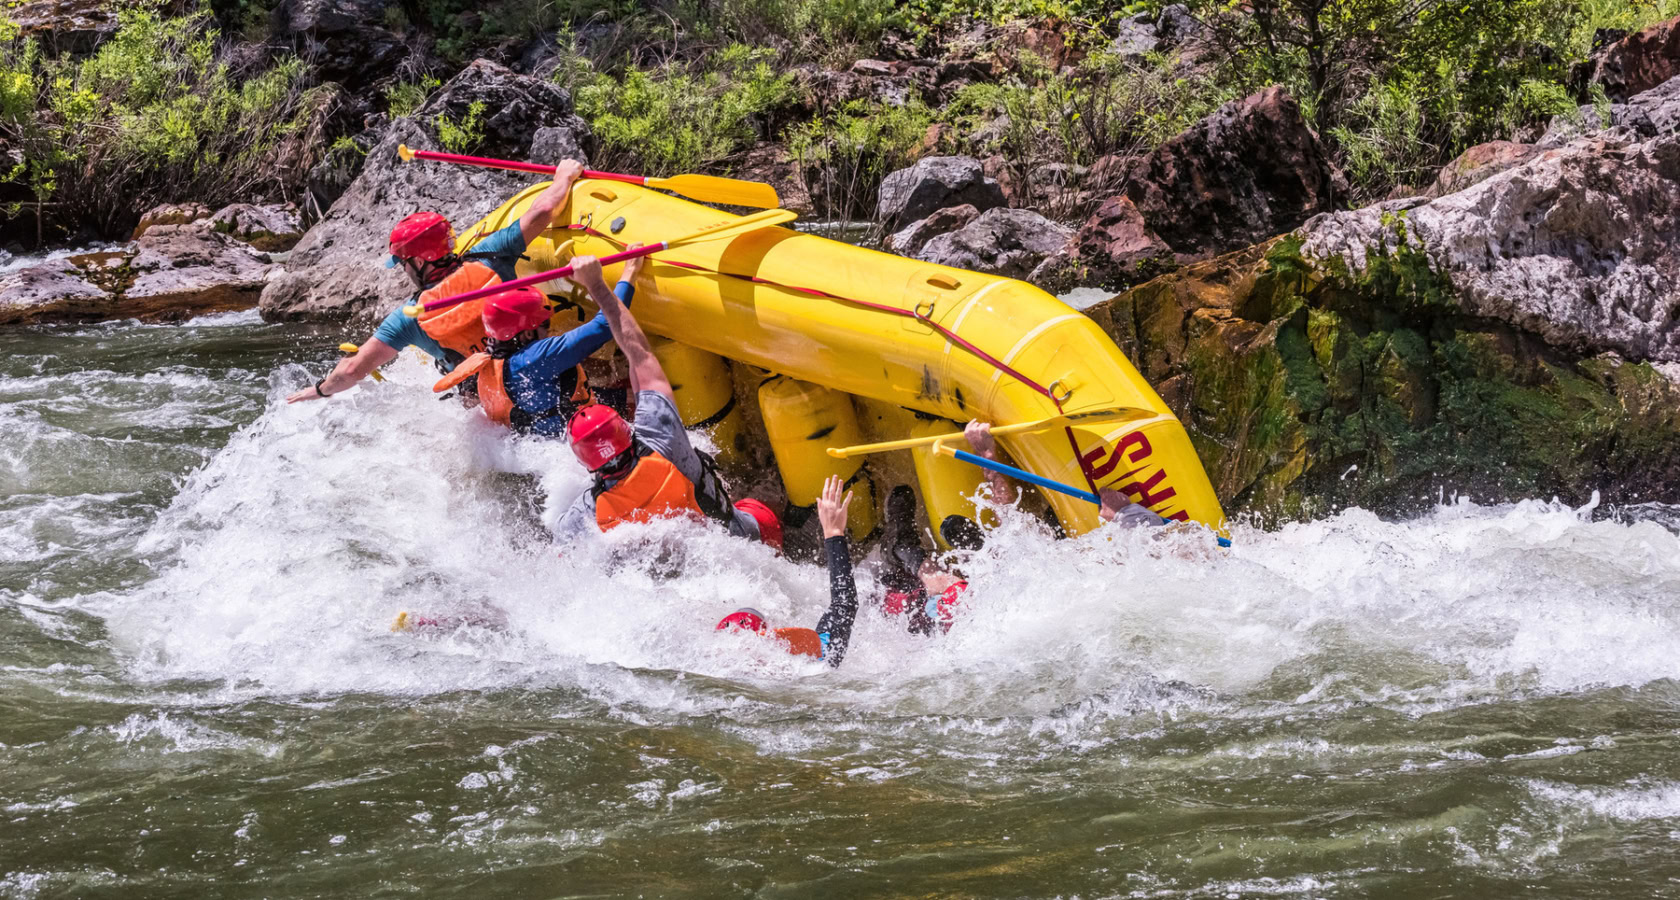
x,y
153,115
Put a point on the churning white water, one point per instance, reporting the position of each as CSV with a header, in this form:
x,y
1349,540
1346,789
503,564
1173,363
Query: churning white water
x,y
190,567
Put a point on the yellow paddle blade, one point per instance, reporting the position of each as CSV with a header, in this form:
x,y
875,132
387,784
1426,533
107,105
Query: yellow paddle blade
x,y
734,227
401,624
724,191
404,153
1077,418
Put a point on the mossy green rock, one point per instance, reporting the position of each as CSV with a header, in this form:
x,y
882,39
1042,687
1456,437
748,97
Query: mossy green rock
x,y
1307,386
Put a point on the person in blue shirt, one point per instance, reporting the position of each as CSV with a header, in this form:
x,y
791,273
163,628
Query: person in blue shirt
x,y
423,245
531,383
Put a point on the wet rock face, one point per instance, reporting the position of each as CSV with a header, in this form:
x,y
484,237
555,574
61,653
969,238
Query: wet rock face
x,y
1639,62
935,183
1578,246
337,270
1001,241
1306,388
270,228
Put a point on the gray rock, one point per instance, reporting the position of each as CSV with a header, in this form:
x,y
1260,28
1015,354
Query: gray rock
x,y
55,290
913,236
347,41
337,270
270,228
183,270
934,183
1580,245
1177,25
1646,115
66,26
1137,38
170,214
1008,242
1478,164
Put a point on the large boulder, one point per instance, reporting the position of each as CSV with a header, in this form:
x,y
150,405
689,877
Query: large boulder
x,y
1478,164
1577,246
171,272
347,41
1640,62
1002,241
271,228
337,270
910,239
935,183
1252,170
1646,115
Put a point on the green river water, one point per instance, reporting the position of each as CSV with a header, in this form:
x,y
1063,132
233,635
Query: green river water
x,y
200,696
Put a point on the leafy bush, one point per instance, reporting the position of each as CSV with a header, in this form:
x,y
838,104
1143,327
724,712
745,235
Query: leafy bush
x,y
463,136
844,155
681,119
404,98
152,115
837,31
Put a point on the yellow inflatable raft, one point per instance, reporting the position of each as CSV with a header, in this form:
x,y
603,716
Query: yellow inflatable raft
x,y
858,345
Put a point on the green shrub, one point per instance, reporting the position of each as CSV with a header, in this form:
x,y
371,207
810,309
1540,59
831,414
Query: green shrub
x,y
845,154
463,136
151,116
404,98
680,119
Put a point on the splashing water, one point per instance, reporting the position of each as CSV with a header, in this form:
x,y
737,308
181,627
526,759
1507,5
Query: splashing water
x,y
198,684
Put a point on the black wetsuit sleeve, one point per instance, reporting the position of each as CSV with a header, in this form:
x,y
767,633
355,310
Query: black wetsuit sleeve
x,y
836,624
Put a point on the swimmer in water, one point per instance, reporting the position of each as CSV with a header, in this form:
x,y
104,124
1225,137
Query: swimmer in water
x,y
828,641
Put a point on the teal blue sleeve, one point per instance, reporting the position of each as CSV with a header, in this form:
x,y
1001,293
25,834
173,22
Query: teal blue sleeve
x,y
399,331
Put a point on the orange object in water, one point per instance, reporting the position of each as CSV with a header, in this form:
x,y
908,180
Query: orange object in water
x,y
801,641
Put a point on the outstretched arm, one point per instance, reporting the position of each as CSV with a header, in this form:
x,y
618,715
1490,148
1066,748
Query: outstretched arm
x,y
836,624
351,369
542,210
979,436
567,350
646,374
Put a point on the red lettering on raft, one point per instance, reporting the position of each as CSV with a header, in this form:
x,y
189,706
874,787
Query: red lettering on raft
x,y
1142,490
1136,439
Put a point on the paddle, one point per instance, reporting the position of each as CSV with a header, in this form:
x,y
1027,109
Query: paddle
x,y
710,233
705,188
1092,415
353,349
1030,478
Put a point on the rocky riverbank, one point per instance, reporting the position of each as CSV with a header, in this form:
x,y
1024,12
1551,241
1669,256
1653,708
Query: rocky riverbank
x,y
1506,324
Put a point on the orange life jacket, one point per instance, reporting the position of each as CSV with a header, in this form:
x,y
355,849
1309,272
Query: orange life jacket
x,y
460,328
493,397
654,488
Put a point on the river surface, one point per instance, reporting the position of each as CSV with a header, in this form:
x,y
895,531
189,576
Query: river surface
x,y
200,694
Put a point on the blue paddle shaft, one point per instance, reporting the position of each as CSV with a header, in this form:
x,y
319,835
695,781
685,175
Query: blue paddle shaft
x,y
1039,480
1026,476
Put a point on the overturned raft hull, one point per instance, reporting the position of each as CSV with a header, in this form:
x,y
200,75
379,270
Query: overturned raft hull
x,y
898,333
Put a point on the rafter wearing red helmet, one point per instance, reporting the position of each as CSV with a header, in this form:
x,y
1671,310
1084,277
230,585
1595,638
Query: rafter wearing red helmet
x,y
647,469
423,246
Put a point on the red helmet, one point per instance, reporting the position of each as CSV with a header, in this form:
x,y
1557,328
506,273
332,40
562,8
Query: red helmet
x,y
748,618
599,434
507,314
769,527
425,236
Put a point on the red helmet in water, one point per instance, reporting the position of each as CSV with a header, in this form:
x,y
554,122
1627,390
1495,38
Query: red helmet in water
x,y
507,314
425,236
746,617
599,435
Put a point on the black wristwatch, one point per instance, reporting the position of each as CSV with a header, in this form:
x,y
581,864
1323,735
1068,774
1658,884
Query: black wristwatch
x,y
320,393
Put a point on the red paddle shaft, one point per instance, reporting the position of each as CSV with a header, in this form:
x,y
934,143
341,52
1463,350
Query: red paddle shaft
x,y
446,302
485,162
